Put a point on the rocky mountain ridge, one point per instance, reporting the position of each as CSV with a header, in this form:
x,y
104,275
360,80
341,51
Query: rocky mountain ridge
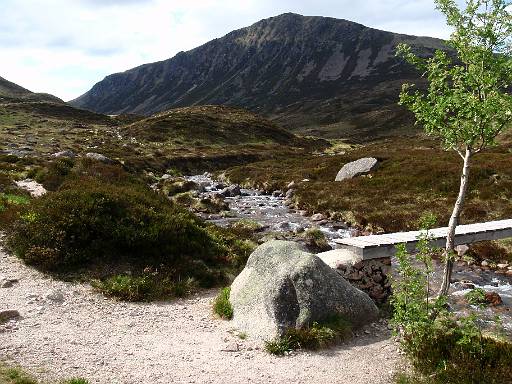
x,y
327,76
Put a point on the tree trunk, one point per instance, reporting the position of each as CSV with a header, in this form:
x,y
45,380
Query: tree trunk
x,y
454,221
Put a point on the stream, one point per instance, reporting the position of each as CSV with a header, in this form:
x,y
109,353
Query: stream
x,y
274,215
269,211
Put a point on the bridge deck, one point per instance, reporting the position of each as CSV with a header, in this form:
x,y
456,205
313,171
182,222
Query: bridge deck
x,y
377,246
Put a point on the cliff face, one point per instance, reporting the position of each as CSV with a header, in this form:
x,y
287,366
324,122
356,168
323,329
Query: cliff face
x,y
326,74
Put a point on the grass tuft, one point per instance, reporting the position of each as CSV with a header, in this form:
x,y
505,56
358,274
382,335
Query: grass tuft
x,y
315,337
222,306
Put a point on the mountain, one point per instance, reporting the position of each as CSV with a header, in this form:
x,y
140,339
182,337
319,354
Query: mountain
x,y
10,91
321,75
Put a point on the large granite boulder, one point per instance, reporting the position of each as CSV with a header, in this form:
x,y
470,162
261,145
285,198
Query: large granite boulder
x,y
283,286
357,168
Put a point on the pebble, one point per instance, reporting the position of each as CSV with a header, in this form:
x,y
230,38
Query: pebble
x,y
55,296
8,315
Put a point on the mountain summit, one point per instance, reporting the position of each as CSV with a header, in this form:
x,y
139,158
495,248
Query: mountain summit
x,y
335,75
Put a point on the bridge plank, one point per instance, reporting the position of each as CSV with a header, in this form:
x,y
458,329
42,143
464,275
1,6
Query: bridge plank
x,y
375,246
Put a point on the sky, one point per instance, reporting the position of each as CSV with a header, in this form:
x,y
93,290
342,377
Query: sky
x,y
64,47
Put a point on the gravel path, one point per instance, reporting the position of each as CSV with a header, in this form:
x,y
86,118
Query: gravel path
x,y
67,330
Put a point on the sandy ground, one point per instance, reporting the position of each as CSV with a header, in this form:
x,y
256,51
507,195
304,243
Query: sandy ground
x,y
81,333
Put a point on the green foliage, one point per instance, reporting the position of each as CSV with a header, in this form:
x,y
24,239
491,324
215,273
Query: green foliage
x,y
222,306
467,103
77,380
441,347
16,375
316,336
279,346
127,288
147,287
102,221
315,238
88,220
7,200
476,297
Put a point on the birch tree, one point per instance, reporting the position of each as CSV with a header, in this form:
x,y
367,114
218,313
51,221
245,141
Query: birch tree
x,y
467,103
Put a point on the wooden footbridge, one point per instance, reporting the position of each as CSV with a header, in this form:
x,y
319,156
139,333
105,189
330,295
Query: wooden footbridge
x,y
378,246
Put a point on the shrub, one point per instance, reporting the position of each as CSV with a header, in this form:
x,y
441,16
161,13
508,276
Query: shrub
x,y
476,297
445,348
127,288
7,200
87,221
245,228
490,250
222,306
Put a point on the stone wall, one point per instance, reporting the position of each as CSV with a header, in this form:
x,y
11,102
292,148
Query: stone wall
x,y
370,276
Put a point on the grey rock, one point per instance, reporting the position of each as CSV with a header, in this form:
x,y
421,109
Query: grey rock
x,y
357,168
55,295
284,225
8,315
318,217
231,191
166,177
277,193
99,157
289,193
231,347
461,249
67,153
283,286
7,283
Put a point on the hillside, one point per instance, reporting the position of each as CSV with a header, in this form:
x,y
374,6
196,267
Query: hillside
x,y
324,76
217,125
12,92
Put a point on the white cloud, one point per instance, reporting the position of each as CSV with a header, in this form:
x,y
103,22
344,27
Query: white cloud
x,y
64,47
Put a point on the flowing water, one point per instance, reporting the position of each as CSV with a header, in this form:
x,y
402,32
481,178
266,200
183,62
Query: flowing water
x,y
274,215
269,211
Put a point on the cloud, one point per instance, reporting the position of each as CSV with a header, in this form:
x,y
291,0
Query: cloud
x,y
64,47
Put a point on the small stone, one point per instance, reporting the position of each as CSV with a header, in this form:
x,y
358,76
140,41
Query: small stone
x,y
9,315
67,153
493,298
7,283
317,217
461,249
359,265
502,266
231,347
55,295
99,157
485,263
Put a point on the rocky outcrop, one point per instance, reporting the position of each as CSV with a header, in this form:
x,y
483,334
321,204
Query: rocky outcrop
x,y
99,157
283,286
357,168
301,71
